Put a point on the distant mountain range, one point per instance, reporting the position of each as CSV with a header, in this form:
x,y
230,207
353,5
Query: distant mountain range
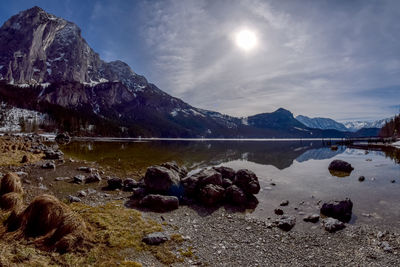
x,y
47,66
326,123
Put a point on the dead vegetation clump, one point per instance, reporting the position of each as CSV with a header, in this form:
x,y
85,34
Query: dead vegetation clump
x,y
11,201
50,224
11,183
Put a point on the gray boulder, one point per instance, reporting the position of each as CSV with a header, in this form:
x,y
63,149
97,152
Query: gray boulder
x,y
160,202
248,181
129,184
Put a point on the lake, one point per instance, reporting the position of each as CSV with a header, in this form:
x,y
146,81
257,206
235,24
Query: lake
x,y
298,168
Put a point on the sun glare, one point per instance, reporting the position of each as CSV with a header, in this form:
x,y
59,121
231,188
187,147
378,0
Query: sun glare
x,y
246,40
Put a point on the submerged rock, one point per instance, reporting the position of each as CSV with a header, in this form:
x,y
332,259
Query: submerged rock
x,y
155,238
284,203
93,178
160,202
340,210
332,225
361,178
51,154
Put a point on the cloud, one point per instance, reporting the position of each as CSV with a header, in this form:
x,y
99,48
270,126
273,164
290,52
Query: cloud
x,y
314,57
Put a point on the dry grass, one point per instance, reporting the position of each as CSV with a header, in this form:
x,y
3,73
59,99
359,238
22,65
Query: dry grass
x,y
10,183
11,201
49,224
12,152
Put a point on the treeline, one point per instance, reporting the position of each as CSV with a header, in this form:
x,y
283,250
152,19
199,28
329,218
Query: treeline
x,y
391,128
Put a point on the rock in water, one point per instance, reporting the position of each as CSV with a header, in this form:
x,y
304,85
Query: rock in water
x,y
211,194
332,225
340,210
286,223
51,154
340,166
155,238
63,139
160,179
361,178
248,181
160,202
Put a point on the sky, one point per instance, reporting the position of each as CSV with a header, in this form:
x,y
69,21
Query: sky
x,y
338,59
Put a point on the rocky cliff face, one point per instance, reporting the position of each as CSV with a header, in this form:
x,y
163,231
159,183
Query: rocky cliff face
x,y
37,47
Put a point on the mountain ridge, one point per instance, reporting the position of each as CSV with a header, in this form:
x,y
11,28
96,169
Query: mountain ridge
x,y
46,58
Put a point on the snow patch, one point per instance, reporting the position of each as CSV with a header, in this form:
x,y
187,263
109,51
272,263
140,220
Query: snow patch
x,y
10,118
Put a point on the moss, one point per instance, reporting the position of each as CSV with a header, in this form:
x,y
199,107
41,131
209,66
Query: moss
x,y
187,253
178,238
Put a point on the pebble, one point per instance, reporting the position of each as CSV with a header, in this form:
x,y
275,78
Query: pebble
x,y
284,203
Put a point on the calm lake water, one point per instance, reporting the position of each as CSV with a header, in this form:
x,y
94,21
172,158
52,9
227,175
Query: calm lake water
x,y
299,169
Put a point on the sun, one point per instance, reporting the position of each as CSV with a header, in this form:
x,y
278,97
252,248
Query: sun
x,y
246,40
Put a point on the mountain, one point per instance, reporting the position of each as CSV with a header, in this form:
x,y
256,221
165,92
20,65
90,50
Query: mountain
x,y
354,126
47,66
321,123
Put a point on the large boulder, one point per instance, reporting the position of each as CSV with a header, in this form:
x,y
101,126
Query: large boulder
x,y
63,138
340,166
247,181
182,171
226,172
211,194
159,179
193,183
340,210
160,202
235,195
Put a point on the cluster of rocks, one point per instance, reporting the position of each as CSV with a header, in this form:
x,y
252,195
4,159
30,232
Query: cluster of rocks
x,y
165,186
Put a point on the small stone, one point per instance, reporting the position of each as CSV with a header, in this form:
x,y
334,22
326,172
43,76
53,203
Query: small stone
x,y
155,238
49,165
82,193
311,218
248,228
278,212
73,199
61,178
79,179
393,181
386,247
332,225
286,223
284,203
361,178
